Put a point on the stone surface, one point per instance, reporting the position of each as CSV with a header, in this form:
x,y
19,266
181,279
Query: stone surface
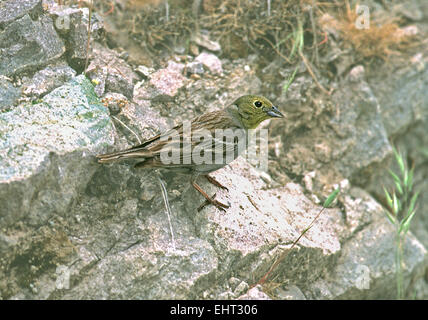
x,y
404,109
195,67
204,41
360,274
72,24
11,10
255,293
43,149
26,45
166,82
290,293
9,94
111,73
44,81
211,62
364,140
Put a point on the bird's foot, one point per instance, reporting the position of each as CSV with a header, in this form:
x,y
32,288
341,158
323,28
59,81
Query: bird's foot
x,y
215,182
215,203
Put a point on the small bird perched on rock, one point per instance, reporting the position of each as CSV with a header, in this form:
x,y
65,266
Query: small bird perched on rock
x,y
204,144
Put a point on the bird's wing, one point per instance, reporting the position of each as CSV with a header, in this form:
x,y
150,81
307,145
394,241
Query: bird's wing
x,y
139,151
171,141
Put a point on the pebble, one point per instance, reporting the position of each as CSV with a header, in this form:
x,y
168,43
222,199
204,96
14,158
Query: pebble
x,y
211,62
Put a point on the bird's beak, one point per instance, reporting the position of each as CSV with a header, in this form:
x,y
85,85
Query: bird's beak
x,y
275,113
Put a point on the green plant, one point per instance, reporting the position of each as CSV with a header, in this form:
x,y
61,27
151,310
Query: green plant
x,y
401,210
297,46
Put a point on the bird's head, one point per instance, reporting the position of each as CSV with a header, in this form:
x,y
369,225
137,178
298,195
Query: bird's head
x,y
252,110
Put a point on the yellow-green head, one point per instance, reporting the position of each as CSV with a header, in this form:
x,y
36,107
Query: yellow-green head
x,y
251,110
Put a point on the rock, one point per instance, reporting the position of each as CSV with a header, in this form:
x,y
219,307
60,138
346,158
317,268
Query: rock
x,y
172,65
241,289
211,61
11,10
352,146
403,105
115,102
261,220
44,81
360,273
290,293
9,94
195,67
164,84
28,44
144,71
110,72
204,41
403,98
44,149
142,119
255,293
72,24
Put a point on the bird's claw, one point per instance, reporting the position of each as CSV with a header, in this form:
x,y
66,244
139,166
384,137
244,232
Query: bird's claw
x,y
215,182
215,203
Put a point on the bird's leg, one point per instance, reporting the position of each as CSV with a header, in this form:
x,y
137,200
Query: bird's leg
x,y
210,200
214,181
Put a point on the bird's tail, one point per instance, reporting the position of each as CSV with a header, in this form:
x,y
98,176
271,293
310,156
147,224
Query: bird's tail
x,y
124,155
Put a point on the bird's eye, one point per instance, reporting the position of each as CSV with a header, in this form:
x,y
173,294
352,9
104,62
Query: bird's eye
x,y
258,104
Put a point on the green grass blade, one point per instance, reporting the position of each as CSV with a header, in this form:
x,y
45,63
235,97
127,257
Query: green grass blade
x,y
409,182
394,176
398,187
331,198
400,161
404,226
390,217
388,198
395,204
412,205
290,81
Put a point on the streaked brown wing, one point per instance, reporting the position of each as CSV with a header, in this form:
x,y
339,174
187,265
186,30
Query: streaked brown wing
x,y
205,139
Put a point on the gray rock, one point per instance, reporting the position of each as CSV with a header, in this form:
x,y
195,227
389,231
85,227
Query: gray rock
x,y
172,65
290,293
77,38
204,41
164,85
360,273
364,141
167,81
72,24
9,94
255,293
352,143
256,223
211,62
45,148
28,44
111,73
44,81
11,10
115,102
195,67
403,98
144,71
241,288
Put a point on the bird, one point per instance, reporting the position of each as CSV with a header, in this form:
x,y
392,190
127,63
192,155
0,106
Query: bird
x,y
202,145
